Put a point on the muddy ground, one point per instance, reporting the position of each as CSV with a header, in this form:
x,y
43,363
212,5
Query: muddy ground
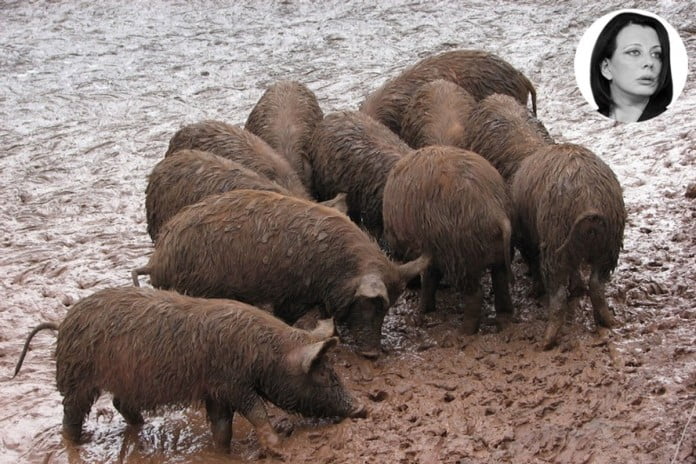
x,y
91,93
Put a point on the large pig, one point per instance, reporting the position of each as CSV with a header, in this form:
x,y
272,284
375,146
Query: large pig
x,y
240,145
437,114
452,205
191,175
153,347
504,132
292,254
569,210
285,118
351,152
479,72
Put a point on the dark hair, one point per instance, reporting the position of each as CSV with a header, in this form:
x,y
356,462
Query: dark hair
x,y
605,48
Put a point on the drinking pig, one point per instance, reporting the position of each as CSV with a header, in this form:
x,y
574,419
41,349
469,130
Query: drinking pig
x,y
292,254
154,347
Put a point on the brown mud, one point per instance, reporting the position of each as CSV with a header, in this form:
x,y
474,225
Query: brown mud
x,y
91,94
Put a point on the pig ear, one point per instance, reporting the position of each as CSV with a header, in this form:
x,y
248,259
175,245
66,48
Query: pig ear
x,y
310,354
372,286
413,268
325,328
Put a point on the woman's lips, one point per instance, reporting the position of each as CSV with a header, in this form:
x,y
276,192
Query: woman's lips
x,y
647,80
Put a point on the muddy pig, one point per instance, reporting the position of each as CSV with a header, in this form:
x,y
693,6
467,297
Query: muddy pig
x,y
569,210
285,118
504,132
452,205
479,72
240,145
154,347
351,152
437,114
191,175
292,254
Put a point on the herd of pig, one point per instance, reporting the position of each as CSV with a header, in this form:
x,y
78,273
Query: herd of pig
x,y
441,174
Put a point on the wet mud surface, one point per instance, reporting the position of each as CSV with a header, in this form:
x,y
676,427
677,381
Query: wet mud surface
x,y
91,93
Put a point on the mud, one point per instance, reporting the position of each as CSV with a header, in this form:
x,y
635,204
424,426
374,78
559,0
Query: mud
x,y
91,94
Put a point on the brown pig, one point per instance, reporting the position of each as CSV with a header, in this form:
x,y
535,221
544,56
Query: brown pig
x,y
504,132
240,145
569,210
452,205
153,347
285,118
437,114
479,72
191,175
292,254
351,152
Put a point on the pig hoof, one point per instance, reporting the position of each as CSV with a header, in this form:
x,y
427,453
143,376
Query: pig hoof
x,y
370,354
359,412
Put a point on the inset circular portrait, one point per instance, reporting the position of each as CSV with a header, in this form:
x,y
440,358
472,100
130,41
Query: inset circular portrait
x,y
631,65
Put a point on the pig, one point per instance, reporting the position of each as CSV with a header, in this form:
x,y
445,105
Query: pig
x,y
437,114
504,132
191,175
569,211
285,117
151,348
452,205
351,152
291,254
479,72
240,145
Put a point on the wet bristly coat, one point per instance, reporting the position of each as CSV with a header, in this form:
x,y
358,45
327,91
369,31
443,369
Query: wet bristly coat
x,y
569,211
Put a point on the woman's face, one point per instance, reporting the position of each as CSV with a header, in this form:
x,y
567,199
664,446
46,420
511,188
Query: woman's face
x,y
635,66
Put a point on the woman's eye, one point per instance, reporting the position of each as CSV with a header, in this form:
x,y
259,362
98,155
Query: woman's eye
x,y
633,52
657,55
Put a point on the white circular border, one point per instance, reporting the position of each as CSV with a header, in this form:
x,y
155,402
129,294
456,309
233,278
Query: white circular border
x,y
583,54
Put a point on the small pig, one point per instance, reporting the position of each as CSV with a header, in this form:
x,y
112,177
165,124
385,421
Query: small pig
x,y
569,210
191,175
437,114
479,72
285,117
154,347
452,205
351,152
292,254
504,132
240,145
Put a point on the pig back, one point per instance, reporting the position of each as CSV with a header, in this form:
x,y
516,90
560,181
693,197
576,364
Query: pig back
x,y
264,248
191,175
285,117
239,145
560,184
449,203
479,72
505,133
351,152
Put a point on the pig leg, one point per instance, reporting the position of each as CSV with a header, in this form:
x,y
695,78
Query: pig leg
x,y
220,416
255,412
558,302
577,287
602,314
75,408
431,279
501,289
131,415
473,304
